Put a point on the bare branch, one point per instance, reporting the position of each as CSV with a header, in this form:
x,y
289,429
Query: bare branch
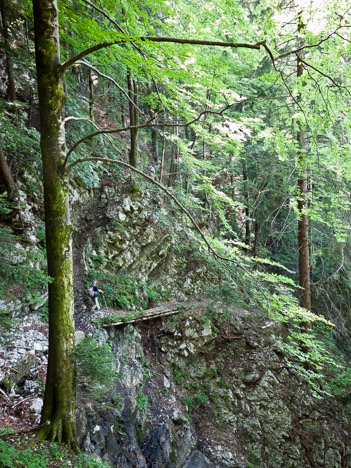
x,y
343,38
319,89
150,123
323,74
94,124
133,127
98,72
299,49
146,39
269,52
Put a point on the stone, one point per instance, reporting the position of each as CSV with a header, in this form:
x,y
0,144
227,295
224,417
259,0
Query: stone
x,y
166,382
39,302
332,458
31,386
81,423
38,347
251,378
18,371
36,406
79,335
198,460
126,204
178,417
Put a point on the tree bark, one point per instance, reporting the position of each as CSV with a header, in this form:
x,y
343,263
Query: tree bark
x,y
6,173
123,116
134,120
91,95
247,210
303,246
59,398
162,164
154,148
11,90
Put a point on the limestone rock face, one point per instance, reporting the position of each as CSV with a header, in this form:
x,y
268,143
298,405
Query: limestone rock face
x,y
190,392
223,403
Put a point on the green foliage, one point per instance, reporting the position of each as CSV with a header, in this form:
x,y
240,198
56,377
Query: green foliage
x,y
21,143
22,271
126,291
7,206
201,397
253,457
142,401
35,454
178,375
189,401
6,325
95,365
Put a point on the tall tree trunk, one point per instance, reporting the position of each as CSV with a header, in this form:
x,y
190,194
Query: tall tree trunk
x,y
134,120
154,148
59,399
91,94
173,167
123,116
162,164
247,209
30,108
11,91
304,259
253,251
6,173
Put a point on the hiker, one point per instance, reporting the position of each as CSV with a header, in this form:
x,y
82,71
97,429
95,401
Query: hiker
x,y
93,293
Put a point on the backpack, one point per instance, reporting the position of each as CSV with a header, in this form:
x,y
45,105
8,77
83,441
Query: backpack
x,y
91,291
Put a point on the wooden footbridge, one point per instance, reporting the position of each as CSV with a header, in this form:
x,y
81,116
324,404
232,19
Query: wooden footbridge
x,y
125,317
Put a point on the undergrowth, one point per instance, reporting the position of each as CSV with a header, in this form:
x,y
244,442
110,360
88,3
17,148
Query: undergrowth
x,y
28,452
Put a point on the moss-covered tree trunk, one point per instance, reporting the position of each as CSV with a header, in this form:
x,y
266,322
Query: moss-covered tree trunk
x,y
59,400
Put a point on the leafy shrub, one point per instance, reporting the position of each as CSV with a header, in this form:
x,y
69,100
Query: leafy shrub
x,y
95,365
43,455
189,402
142,401
20,269
126,291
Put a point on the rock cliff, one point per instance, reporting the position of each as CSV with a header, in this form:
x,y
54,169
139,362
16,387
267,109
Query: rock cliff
x,y
193,390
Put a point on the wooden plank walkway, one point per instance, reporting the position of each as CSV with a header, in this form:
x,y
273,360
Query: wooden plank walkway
x,y
150,314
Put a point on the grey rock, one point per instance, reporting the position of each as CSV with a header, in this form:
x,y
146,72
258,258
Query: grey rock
x,y
31,386
36,406
198,460
332,458
78,336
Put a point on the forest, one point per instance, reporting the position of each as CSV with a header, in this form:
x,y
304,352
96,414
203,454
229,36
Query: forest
x,y
194,158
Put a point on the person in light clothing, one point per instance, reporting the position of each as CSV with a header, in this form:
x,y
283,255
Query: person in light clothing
x,y
96,290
